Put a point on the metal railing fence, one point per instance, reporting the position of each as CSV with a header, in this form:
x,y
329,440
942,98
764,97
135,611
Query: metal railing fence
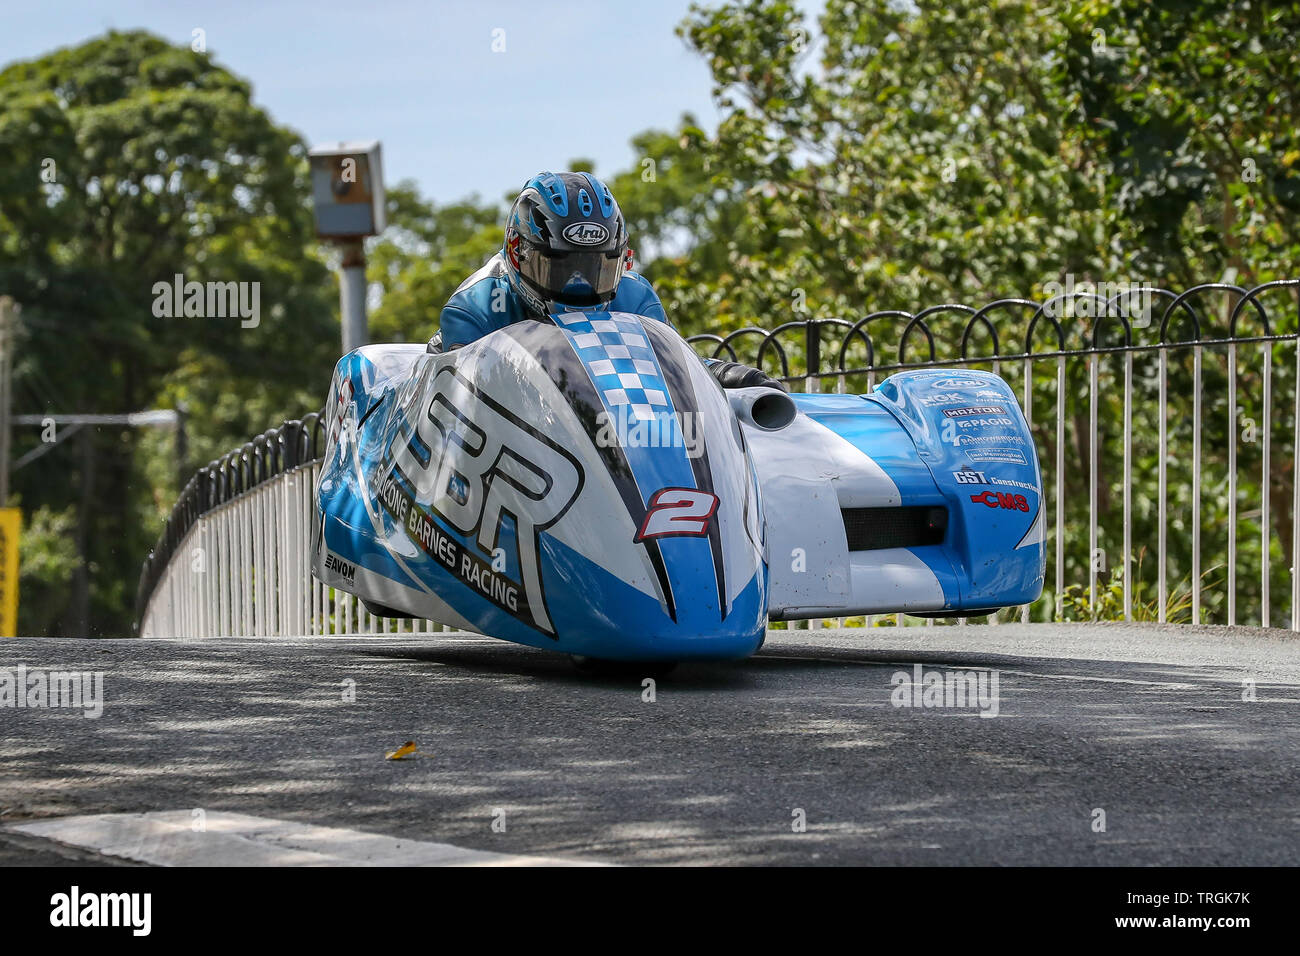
x,y
233,558
1166,424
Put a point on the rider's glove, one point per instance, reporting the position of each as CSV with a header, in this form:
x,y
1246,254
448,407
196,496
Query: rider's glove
x,y
735,375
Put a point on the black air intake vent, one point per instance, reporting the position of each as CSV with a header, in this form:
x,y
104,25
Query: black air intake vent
x,y
871,529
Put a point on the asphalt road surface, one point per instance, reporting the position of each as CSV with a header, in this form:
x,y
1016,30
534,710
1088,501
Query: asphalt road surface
x,y
799,755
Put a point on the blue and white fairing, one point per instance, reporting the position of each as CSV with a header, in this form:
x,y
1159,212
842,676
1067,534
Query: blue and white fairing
x,y
924,497
586,486
581,486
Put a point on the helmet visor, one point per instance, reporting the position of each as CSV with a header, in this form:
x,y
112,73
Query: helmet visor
x,y
573,278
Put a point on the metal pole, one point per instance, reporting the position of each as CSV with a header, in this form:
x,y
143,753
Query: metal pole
x,y
352,295
814,356
81,579
181,447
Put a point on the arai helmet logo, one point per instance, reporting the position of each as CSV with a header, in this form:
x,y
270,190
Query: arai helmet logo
x,y
585,233
958,383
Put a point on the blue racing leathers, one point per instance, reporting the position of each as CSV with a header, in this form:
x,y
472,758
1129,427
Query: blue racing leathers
x,y
485,302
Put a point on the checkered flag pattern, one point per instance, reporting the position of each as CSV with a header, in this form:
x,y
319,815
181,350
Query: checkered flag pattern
x,y
619,359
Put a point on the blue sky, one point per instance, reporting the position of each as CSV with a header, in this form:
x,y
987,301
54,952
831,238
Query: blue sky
x,y
577,77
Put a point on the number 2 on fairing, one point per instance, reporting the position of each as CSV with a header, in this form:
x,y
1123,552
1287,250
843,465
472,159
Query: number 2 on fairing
x,y
678,511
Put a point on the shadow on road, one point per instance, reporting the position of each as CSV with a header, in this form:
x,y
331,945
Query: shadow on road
x,y
724,764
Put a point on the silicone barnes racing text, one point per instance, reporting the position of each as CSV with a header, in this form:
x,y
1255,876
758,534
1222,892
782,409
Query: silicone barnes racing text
x,y
584,485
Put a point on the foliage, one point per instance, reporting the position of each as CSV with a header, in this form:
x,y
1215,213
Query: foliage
x,y
1196,105
128,161
1078,603
49,561
426,252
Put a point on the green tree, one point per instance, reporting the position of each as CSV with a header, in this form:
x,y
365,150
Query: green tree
x,y
685,220
900,154
1196,106
425,253
128,161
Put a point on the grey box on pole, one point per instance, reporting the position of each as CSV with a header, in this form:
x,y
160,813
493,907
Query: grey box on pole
x,y
347,184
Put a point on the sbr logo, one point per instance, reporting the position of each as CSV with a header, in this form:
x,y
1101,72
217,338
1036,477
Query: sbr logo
x,y
996,499
477,466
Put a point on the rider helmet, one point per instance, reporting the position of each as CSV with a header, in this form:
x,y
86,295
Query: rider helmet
x,y
566,243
